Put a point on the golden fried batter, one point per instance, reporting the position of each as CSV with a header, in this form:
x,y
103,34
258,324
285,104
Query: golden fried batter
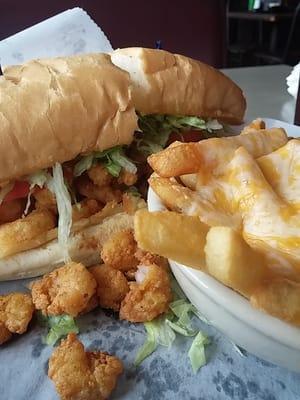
x,y
149,296
84,209
16,310
14,235
99,175
146,258
5,334
119,251
128,178
104,194
45,200
112,286
80,375
67,290
106,369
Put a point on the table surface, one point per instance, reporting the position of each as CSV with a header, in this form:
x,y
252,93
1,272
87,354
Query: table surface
x,y
265,90
270,17
166,374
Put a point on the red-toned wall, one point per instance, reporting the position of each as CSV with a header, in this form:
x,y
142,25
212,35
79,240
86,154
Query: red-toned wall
x,y
192,27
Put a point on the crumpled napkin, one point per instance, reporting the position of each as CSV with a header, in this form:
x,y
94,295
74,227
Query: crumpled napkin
x,y
70,32
293,81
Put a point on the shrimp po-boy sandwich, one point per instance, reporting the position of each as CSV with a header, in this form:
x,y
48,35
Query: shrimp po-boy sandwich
x,y
75,133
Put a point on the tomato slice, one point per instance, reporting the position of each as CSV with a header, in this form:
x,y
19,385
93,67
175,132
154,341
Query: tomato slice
x,y
188,136
19,191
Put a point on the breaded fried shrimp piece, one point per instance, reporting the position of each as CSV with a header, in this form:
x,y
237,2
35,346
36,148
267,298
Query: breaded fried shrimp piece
x,y
16,310
5,334
126,177
119,251
84,209
149,296
146,258
106,369
45,200
67,290
104,194
99,175
80,375
112,286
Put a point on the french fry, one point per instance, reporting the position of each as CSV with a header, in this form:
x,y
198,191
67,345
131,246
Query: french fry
x,y
169,234
182,199
280,298
189,180
257,124
230,260
176,160
189,158
15,234
281,169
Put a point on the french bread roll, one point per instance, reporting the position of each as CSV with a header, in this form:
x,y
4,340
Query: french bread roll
x,y
54,109
165,83
83,246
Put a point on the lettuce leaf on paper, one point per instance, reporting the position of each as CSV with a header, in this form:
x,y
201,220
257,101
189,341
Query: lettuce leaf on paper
x,y
163,330
113,159
156,129
197,351
59,326
158,333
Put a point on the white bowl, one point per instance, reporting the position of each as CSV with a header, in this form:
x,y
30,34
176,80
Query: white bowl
x,y
260,334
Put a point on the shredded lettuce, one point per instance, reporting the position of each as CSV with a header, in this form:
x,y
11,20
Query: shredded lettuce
x,y
166,335
213,125
182,330
118,157
156,129
58,187
83,164
113,159
133,191
197,351
39,179
149,345
181,309
163,330
59,326
158,333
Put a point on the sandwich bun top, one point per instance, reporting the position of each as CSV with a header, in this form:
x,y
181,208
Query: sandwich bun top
x,y
52,110
165,83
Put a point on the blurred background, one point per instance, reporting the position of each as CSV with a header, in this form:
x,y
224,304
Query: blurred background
x,y
230,33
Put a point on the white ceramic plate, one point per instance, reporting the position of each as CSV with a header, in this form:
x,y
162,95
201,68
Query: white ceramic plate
x,y
260,334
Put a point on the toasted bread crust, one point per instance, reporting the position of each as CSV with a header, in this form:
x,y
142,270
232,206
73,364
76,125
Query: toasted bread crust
x,y
165,83
52,110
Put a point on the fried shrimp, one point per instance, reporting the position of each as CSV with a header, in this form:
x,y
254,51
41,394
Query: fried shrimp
x,y
99,175
128,178
112,286
119,251
5,334
104,194
149,296
16,310
82,375
45,200
145,258
84,209
67,290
